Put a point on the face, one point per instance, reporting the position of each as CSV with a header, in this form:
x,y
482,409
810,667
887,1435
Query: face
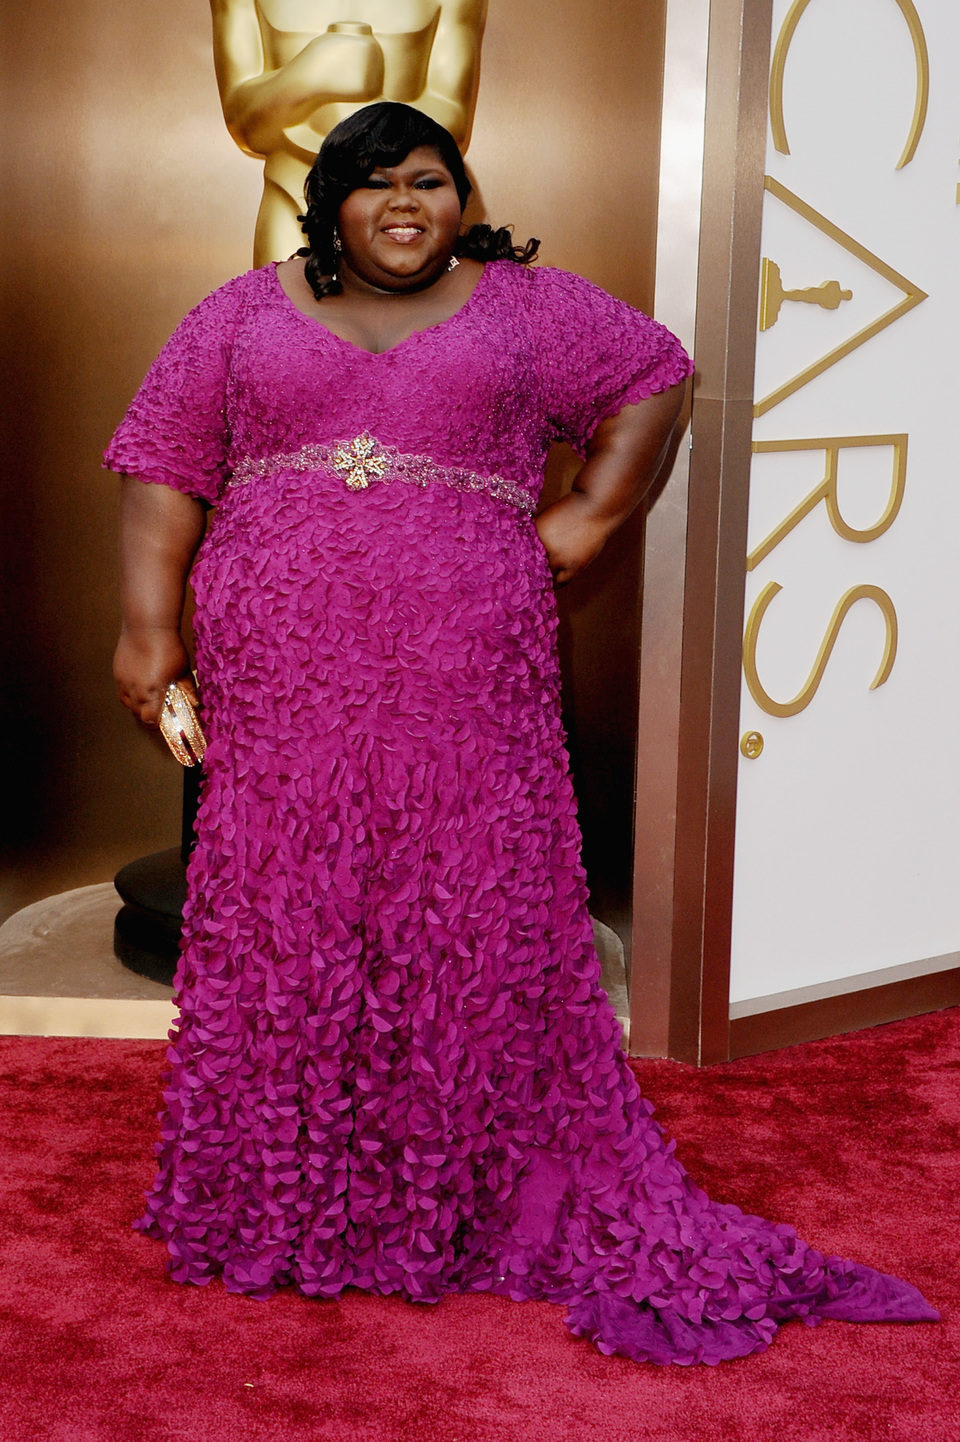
x,y
398,229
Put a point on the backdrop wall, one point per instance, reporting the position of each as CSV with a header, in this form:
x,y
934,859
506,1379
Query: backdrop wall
x,y
128,202
847,849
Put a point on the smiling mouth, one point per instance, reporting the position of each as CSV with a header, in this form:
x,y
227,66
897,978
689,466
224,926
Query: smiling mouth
x,y
402,232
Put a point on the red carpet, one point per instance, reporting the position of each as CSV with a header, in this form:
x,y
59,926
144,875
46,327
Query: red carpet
x,y
853,1140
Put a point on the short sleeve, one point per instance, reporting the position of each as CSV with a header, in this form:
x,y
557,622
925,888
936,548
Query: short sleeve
x,y
598,355
176,431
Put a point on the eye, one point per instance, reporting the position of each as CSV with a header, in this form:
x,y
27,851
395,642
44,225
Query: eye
x,y
430,182
376,182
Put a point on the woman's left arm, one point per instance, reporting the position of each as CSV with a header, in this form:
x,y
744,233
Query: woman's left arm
x,y
623,458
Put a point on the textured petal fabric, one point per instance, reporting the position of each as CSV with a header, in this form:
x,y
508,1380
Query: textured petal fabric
x,y
394,1067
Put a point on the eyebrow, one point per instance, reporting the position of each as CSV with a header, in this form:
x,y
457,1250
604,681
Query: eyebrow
x,y
423,170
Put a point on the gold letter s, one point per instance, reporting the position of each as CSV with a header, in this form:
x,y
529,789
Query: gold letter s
x,y
812,683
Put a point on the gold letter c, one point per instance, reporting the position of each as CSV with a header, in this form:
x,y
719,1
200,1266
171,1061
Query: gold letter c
x,y
784,41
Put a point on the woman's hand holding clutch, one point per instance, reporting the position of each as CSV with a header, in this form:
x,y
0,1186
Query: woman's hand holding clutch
x,y
148,660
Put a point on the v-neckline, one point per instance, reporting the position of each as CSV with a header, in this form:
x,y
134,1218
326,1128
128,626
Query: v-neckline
x,y
362,349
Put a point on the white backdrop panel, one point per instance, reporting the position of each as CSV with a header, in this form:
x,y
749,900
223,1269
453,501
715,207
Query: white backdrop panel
x,y
848,823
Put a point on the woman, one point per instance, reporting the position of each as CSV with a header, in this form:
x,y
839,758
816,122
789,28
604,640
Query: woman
x,y
394,1066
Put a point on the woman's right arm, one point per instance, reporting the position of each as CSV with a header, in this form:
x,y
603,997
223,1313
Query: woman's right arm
x,y
160,531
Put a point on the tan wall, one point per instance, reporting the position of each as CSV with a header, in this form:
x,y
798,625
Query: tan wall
x,y
128,203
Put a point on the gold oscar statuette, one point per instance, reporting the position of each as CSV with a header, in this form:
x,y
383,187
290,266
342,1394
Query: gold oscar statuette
x,y
828,295
289,70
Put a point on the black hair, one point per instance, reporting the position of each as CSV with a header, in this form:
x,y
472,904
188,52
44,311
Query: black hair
x,y
384,134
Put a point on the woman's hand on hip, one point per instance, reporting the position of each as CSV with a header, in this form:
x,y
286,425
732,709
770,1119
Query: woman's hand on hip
x,y
572,534
624,458
147,660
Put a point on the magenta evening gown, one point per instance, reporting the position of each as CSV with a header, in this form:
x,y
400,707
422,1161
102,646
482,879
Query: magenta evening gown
x,y
394,1067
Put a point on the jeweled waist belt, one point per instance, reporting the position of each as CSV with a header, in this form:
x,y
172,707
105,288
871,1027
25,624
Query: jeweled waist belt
x,y
364,460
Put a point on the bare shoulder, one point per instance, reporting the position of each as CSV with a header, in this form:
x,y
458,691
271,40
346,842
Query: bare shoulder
x,y
290,274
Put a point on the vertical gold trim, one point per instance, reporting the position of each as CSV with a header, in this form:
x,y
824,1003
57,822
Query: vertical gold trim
x,y
767,304
913,295
810,687
921,56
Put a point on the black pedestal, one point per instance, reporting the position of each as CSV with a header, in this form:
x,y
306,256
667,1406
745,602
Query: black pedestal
x,y
146,932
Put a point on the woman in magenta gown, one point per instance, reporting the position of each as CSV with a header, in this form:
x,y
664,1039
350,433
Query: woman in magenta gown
x,y
394,1067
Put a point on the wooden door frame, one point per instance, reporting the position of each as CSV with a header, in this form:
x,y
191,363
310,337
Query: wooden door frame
x,y
694,577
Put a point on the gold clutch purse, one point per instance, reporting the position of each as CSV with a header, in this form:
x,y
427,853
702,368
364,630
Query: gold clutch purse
x,y
180,728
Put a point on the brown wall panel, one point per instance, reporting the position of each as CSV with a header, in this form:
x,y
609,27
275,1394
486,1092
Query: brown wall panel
x,y
809,1021
685,1010
122,209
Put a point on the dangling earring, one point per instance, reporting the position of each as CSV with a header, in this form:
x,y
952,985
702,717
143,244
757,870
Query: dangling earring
x,y
337,247
452,263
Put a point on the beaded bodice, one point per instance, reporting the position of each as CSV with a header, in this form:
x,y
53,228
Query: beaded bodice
x,y
533,356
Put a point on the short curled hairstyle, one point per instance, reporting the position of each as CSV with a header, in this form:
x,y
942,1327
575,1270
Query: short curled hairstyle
x,y
384,134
